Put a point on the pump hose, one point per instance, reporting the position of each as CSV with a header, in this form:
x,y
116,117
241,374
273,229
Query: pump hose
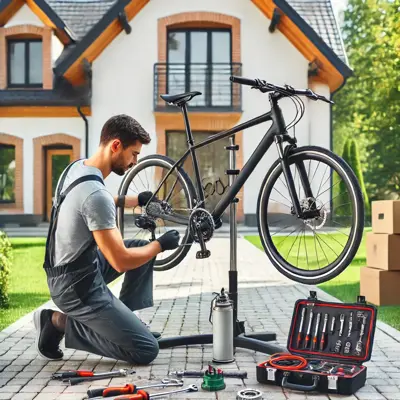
x,y
286,361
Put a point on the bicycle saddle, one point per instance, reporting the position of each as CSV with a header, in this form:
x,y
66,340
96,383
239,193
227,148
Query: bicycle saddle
x,y
180,98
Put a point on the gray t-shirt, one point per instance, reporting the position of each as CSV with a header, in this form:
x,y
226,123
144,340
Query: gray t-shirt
x,y
89,206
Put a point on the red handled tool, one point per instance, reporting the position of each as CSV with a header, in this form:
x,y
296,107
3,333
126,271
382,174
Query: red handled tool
x,y
71,374
300,334
75,377
130,388
143,395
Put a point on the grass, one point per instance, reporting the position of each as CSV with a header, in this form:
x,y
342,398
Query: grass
x,y
346,286
28,286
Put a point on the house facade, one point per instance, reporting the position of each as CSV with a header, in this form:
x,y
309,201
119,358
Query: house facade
x,y
67,66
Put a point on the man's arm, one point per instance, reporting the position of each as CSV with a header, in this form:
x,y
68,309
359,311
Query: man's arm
x,y
120,257
129,201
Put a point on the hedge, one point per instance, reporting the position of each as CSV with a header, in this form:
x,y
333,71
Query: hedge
x,y
5,266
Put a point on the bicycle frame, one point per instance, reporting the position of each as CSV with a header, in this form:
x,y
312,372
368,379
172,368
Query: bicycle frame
x,y
276,133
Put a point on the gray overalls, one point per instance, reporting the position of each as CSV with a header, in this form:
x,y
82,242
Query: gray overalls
x,y
97,321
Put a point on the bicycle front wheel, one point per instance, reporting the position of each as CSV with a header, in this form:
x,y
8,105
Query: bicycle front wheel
x,y
318,246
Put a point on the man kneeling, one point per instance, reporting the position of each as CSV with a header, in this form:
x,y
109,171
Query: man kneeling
x,y
85,251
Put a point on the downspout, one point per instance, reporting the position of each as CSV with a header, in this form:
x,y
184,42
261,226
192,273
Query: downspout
x,y
86,131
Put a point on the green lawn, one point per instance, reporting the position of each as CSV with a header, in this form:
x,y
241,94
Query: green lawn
x,y
346,286
28,287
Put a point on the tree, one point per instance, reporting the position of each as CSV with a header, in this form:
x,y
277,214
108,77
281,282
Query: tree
x,y
368,106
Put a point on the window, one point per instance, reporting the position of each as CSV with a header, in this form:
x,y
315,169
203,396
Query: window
x,y
7,173
200,59
25,63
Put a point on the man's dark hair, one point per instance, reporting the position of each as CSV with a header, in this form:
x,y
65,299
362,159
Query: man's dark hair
x,y
124,128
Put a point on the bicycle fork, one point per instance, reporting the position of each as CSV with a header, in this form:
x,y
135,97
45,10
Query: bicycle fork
x,y
283,156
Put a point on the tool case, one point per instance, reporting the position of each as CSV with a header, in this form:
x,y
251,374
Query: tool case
x,y
334,340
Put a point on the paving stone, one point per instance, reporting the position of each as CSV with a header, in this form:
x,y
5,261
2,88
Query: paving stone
x,y
24,396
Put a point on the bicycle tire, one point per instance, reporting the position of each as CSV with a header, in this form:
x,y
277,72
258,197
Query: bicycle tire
x,y
356,233
165,162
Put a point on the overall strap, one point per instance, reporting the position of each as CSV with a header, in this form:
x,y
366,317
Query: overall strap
x,y
50,245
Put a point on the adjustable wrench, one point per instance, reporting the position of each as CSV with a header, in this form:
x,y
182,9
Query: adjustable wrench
x,y
142,395
130,388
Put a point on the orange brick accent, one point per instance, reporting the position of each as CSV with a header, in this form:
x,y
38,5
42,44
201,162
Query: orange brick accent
x,y
24,32
202,121
39,166
18,206
196,20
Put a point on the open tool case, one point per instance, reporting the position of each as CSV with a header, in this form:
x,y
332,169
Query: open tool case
x,y
334,346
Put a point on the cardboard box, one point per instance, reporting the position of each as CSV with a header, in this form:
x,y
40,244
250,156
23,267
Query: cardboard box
x,y
380,287
383,251
386,216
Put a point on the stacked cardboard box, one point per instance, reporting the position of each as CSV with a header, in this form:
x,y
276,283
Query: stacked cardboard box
x,y
380,279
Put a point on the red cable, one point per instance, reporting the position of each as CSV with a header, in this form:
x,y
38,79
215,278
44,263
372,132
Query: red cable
x,y
286,356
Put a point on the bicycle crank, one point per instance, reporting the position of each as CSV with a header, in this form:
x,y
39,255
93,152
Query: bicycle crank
x,y
202,229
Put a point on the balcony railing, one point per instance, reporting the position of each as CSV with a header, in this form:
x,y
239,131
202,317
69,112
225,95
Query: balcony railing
x,y
212,80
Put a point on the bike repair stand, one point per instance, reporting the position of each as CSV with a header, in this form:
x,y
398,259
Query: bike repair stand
x,y
252,341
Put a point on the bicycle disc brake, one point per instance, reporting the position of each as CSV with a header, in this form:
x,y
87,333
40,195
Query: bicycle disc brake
x,y
317,222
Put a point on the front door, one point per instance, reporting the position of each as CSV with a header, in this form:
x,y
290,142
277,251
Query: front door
x,y
56,161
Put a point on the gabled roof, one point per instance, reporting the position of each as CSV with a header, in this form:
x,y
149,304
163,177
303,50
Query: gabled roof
x,y
81,16
8,8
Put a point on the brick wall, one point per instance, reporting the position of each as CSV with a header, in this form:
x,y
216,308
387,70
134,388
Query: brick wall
x,y
18,206
27,32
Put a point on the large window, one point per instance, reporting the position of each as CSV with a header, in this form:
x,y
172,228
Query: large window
x,y
200,59
7,173
25,63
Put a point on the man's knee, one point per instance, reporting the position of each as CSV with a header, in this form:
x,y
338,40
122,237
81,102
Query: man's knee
x,y
144,352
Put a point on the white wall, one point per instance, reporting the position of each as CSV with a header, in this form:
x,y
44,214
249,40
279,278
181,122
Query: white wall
x,y
30,128
24,16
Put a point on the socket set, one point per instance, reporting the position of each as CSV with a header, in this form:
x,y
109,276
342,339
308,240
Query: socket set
x,y
331,342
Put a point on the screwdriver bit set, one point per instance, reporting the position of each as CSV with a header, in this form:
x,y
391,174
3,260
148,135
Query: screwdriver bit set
x,y
327,345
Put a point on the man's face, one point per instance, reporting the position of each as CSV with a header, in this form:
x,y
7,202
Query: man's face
x,y
123,159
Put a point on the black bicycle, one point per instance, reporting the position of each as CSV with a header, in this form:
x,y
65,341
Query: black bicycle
x,y
310,232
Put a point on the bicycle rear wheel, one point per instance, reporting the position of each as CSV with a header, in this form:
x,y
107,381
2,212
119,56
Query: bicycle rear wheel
x,y
312,250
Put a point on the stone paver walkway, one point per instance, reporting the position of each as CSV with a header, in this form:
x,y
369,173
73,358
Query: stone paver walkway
x,y
182,302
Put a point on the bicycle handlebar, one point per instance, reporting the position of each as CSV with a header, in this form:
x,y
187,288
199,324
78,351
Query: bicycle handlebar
x,y
283,90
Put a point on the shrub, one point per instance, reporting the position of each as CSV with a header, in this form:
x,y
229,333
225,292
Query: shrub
x,y
5,266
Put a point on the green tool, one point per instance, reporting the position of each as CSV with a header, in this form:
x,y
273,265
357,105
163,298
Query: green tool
x,y
213,380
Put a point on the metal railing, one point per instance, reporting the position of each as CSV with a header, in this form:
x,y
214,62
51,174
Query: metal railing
x,y
212,80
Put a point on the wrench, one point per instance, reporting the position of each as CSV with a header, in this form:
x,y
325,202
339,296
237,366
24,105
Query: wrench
x,y
142,395
99,376
130,388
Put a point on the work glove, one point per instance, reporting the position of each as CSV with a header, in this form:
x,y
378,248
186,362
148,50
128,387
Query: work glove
x,y
169,241
144,197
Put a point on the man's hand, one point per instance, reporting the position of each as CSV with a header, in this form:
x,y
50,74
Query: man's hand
x,y
143,198
169,241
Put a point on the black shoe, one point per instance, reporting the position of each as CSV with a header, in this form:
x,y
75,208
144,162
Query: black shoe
x,y
48,337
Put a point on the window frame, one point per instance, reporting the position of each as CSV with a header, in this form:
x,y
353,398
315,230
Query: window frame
x,y
188,50
26,84
8,146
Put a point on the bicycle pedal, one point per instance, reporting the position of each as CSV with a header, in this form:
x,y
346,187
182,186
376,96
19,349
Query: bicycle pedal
x,y
203,254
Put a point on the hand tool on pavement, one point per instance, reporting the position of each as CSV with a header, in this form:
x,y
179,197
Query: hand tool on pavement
x,y
309,329
130,388
322,342
200,374
71,374
99,376
143,395
299,336
315,338
249,394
